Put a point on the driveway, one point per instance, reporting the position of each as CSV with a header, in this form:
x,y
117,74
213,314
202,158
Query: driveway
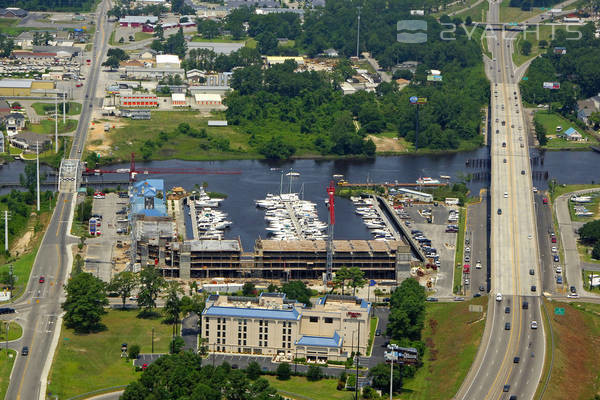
x,y
189,332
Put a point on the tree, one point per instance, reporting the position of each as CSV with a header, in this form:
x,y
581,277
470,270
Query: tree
x,y
193,304
314,373
112,63
596,251
340,278
173,304
381,377
119,54
151,284
589,233
357,279
253,371
267,43
297,290
84,305
134,351
123,284
543,44
248,289
526,48
284,372
468,20
159,32
176,345
407,311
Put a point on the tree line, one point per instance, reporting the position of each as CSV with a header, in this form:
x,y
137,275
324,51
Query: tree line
x,y
49,5
589,234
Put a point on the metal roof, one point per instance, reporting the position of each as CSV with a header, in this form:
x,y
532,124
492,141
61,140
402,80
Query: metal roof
x,y
264,313
320,341
16,83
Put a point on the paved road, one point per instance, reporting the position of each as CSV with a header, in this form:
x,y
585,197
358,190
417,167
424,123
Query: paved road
x,y
545,226
514,245
40,306
189,332
568,241
477,234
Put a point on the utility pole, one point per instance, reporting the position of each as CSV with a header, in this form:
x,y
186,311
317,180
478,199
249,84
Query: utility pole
x,y
56,123
358,34
64,96
37,169
152,340
391,378
6,230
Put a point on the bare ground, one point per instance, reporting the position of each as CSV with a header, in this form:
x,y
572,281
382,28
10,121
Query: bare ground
x,y
97,134
385,144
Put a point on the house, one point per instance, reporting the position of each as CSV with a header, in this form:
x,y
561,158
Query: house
x,y
178,100
331,53
194,76
587,107
31,142
167,61
148,54
572,134
14,123
12,12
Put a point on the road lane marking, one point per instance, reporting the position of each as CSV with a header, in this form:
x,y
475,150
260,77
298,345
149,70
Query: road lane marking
x,y
27,361
62,210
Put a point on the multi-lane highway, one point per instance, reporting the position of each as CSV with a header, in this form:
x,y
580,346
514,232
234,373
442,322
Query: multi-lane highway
x,y
40,307
515,269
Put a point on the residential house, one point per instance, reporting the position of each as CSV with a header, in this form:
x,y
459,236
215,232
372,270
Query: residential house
x,y
587,107
572,134
12,12
14,123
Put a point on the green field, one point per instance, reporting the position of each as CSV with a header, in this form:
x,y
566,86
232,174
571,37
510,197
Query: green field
x,y
14,331
515,14
543,32
220,39
455,8
477,13
452,334
6,363
88,362
298,388
551,121
559,189
142,36
47,126
591,206
132,136
44,108
575,373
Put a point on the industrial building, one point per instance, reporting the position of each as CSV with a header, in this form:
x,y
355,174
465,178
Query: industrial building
x,y
24,87
136,21
415,195
178,100
273,325
208,99
139,100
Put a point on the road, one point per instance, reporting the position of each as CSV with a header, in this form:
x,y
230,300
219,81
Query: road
x,y
40,306
515,268
477,234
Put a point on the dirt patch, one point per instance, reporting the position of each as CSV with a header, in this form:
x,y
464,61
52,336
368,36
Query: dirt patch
x,y
22,244
99,141
385,144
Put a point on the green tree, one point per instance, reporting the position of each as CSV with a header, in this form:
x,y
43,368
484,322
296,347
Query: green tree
x,y
357,279
543,44
589,233
267,43
85,302
119,54
340,278
159,32
253,371
314,373
380,374
297,290
134,351
407,311
194,303
468,20
176,345
284,372
123,284
526,48
173,304
112,63
248,289
596,251
151,283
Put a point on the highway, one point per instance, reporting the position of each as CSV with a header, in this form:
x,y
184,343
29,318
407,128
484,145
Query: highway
x,y
515,268
40,306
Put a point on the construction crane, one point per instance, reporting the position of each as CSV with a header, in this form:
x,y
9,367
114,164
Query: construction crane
x,y
331,206
133,171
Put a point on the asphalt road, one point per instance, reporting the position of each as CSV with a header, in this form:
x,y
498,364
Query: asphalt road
x,y
478,242
545,226
40,307
513,243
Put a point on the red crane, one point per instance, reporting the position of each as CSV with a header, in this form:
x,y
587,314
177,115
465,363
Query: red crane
x,y
132,171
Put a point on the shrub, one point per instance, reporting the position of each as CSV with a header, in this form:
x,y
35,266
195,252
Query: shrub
x,y
253,371
284,372
134,351
314,373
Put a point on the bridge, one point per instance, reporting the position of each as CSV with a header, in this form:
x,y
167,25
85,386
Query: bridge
x,y
69,175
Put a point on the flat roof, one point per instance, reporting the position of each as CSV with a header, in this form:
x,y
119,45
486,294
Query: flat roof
x,y
167,59
16,83
238,312
214,245
207,97
338,245
140,19
178,96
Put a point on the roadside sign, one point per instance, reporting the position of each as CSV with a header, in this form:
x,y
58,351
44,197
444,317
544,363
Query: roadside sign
x,y
413,99
525,78
559,311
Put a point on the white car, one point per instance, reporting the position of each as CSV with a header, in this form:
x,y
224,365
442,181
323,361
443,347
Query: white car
x,y
573,296
478,265
505,195
559,270
467,249
499,297
554,249
534,189
534,325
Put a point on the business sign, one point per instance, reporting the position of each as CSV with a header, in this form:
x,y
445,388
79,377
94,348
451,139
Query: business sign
x,y
413,99
525,78
551,85
353,314
560,50
559,311
422,100
434,78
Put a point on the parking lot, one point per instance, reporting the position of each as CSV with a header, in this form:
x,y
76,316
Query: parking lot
x,y
443,244
100,249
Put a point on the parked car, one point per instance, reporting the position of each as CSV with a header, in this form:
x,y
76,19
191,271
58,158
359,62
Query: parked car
x,y
25,351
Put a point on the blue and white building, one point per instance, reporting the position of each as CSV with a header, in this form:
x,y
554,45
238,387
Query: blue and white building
x,y
272,325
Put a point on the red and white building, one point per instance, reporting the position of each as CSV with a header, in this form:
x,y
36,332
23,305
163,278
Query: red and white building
x,y
137,21
139,100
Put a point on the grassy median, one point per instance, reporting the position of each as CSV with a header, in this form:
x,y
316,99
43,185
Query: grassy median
x,y
6,363
83,363
452,335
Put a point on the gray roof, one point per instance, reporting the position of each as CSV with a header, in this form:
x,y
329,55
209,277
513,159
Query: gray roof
x,y
16,11
54,49
214,245
15,83
15,116
219,48
32,137
139,19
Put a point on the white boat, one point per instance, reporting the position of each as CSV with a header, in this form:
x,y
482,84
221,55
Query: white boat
x,y
293,173
427,180
338,176
445,176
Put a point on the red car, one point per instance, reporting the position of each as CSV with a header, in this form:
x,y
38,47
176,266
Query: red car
x,y
79,85
42,280
545,200
553,239
144,367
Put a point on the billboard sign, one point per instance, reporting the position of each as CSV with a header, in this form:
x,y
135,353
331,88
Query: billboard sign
x,y
434,78
422,100
413,99
551,85
560,50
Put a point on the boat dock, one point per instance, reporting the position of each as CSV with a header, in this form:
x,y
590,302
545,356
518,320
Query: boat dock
x,y
385,220
392,185
192,206
297,227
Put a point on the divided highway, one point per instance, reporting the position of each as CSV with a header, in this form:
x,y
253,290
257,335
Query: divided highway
x,y
515,268
40,306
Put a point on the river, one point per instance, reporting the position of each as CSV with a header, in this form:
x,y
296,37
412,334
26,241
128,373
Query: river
x,y
257,179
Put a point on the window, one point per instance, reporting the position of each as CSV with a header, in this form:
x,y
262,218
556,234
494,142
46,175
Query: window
x,y
314,319
239,335
260,322
289,338
218,333
260,336
328,320
239,344
260,329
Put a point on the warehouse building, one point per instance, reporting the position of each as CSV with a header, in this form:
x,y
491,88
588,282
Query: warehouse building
x,y
273,325
24,87
137,21
167,61
207,99
139,100
178,100
415,195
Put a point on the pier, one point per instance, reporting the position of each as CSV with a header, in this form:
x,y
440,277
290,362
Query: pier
x,y
192,205
292,214
392,185
386,220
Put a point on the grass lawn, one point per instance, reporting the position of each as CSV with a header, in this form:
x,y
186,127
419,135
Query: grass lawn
x,y
220,39
6,363
298,388
47,126
586,281
374,321
452,334
9,26
575,372
477,13
458,255
251,43
142,36
83,363
455,8
550,121
132,136
543,32
515,14
14,331
43,108
559,190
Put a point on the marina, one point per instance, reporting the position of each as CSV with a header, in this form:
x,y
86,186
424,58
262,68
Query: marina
x,y
374,218
207,222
